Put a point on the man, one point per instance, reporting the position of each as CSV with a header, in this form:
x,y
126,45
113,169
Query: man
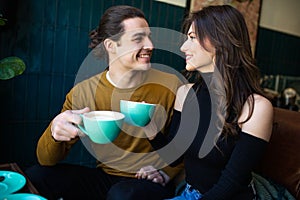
x,y
124,36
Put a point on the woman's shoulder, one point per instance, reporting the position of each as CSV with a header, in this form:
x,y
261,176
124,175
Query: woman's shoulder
x,y
181,95
262,101
262,107
261,121
184,89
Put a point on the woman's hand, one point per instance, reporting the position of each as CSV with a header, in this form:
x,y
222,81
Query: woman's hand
x,y
150,173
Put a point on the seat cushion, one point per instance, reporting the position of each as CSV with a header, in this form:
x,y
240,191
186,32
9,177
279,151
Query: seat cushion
x,y
281,162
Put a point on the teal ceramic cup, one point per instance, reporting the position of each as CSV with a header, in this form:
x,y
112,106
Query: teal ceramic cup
x,y
102,126
137,113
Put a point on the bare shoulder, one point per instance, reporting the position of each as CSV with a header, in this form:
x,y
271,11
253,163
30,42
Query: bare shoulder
x,y
261,103
181,95
261,122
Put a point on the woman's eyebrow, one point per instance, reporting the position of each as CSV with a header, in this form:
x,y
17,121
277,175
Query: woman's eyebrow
x,y
190,33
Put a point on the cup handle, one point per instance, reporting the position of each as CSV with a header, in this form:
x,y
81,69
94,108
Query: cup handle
x,y
82,127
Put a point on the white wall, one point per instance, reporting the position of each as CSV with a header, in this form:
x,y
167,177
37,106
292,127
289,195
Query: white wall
x,y
281,15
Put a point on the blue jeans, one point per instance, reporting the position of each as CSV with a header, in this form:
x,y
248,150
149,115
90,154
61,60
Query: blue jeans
x,y
188,194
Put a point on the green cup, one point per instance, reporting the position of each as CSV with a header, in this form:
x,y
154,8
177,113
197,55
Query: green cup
x,y
102,126
137,113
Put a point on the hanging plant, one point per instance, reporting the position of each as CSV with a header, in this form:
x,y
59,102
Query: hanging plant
x,y
2,20
11,67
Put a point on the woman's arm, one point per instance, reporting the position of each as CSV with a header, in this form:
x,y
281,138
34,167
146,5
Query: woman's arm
x,y
247,153
151,129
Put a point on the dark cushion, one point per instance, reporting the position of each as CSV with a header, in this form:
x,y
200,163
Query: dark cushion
x,y
281,162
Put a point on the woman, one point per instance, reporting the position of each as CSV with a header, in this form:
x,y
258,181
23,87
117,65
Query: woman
x,y
225,85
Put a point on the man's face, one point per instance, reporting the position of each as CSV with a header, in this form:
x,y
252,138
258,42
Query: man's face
x,y
134,49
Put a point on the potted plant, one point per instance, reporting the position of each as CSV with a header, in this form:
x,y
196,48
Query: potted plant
x,y
10,66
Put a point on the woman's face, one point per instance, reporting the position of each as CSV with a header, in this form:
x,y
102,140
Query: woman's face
x,y
197,58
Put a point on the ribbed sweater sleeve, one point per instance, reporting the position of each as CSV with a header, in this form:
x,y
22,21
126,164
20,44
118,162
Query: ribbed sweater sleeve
x,y
245,156
49,152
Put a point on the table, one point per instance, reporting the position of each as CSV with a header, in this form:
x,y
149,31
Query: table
x,y
28,187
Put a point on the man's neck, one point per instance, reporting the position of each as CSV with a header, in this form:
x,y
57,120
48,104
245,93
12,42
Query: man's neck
x,y
129,79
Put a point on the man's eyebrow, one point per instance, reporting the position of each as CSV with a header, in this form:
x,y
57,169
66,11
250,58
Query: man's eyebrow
x,y
139,34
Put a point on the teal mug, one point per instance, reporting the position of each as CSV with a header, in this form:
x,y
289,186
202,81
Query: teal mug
x,y
102,126
137,113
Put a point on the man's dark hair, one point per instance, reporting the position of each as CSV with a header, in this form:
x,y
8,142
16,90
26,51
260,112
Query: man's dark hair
x,y
111,25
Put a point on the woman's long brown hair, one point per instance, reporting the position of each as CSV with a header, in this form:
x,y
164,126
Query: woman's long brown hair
x,y
235,71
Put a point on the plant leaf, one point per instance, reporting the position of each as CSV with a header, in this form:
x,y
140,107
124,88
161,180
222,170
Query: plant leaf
x,y
2,22
11,67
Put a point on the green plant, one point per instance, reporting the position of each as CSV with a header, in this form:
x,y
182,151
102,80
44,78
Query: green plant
x,y
2,20
11,67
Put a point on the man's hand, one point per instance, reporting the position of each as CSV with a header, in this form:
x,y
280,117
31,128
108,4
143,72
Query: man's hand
x,y
63,126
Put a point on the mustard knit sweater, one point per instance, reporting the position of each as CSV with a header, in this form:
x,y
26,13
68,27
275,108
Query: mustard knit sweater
x,y
131,150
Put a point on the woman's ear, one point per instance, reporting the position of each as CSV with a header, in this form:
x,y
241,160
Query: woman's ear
x,y
110,45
